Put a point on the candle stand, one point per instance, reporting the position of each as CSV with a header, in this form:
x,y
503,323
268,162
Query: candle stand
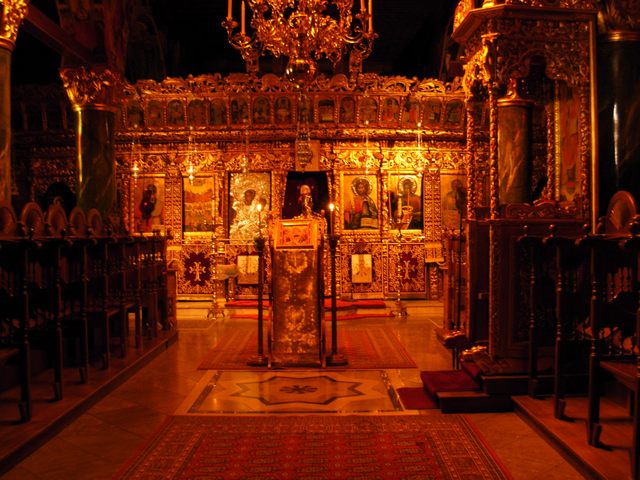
x,y
335,359
260,360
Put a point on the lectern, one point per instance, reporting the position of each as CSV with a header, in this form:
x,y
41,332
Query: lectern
x,y
296,337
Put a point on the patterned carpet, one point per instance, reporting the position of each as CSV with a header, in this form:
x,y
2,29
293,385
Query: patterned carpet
x,y
315,447
365,348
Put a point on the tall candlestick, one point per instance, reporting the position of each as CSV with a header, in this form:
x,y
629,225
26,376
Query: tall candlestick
x,y
242,19
229,8
332,209
370,16
259,207
362,6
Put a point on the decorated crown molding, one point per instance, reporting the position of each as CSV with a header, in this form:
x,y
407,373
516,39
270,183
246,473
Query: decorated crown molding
x,y
466,12
245,83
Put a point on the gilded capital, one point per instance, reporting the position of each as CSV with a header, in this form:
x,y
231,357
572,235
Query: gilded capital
x,y
618,16
13,12
90,88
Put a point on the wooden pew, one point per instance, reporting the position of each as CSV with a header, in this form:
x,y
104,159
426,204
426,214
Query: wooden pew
x,y
46,312
14,327
532,244
105,303
43,277
554,268
133,284
161,269
78,270
66,288
571,314
124,288
100,308
56,273
615,316
149,284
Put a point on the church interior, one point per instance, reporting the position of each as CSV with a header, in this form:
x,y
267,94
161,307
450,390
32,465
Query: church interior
x,y
320,239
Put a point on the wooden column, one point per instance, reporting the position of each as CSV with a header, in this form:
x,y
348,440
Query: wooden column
x,y
92,96
11,16
618,114
514,147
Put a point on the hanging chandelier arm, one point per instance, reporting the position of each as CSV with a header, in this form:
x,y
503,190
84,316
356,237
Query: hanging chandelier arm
x,y
304,31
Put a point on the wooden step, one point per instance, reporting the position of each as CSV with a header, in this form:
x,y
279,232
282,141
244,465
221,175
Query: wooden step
x,y
437,382
473,402
513,384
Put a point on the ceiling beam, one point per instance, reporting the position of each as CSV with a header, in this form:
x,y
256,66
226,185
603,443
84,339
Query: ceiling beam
x,y
48,32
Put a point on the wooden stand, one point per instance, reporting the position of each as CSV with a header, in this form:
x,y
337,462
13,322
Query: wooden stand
x,y
297,333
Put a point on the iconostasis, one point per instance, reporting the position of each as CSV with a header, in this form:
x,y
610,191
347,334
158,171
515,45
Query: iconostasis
x,y
216,160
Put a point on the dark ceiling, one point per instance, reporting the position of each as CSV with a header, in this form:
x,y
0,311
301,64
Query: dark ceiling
x,y
412,37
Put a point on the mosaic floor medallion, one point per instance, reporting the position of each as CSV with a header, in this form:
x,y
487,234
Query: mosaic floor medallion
x,y
292,392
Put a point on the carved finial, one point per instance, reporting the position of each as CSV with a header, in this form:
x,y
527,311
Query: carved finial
x,y
512,88
586,229
634,225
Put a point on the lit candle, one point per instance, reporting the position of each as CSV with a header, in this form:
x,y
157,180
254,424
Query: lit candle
x,y
362,6
229,8
242,19
370,16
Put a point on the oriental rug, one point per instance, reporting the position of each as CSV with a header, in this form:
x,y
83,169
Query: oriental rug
x,y
370,347
316,447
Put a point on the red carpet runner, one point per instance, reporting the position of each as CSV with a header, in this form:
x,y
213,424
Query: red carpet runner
x,y
340,304
316,447
346,310
365,348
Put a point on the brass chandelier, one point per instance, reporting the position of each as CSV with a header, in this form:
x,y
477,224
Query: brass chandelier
x,y
303,31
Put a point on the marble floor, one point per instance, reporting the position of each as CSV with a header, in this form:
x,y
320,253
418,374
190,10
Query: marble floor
x,y
355,391
101,440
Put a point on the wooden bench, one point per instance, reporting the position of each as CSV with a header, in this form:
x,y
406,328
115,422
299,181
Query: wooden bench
x,y
615,315
15,348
